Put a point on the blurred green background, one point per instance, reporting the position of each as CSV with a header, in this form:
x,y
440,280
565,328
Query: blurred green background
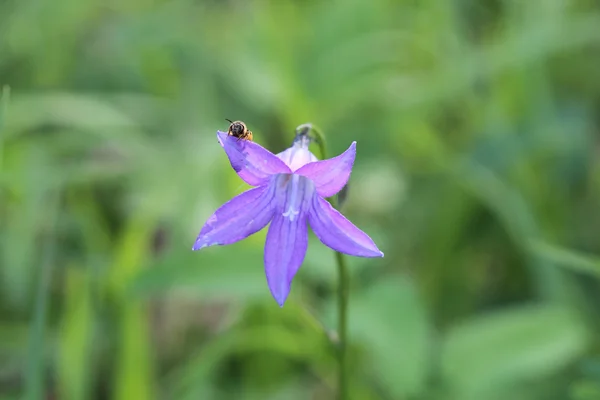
x,y
477,174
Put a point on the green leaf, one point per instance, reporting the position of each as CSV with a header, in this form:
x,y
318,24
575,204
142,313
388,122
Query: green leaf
x,y
511,346
390,321
218,272
585,390
195,378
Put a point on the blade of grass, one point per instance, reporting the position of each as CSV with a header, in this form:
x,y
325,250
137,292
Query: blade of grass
x,y
567,258
133,372
4,100
75,366
34,379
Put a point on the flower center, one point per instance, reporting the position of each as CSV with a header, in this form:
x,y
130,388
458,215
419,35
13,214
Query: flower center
x,y
297,156
293,194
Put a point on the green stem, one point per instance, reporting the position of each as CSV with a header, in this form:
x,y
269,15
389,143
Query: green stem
x,y
344,280
343,294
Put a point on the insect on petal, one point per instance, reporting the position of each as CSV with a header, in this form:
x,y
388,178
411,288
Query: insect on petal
x,y
331,175
336,231
253,163
239,218
287,241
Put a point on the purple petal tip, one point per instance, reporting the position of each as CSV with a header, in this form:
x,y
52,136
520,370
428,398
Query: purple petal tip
x,y
281,297
199,245
220,137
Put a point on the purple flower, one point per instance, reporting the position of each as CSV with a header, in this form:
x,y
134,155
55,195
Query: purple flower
x,y
289,193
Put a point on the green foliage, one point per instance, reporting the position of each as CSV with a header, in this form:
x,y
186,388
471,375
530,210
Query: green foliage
x,y
477,175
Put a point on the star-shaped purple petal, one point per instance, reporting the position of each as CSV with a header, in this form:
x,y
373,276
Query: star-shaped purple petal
x,y
289,193
330,176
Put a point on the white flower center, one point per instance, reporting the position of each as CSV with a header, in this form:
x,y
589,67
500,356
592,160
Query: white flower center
x,y
293,193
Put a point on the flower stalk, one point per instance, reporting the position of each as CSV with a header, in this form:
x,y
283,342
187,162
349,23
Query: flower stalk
x,y
343,294
343,278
